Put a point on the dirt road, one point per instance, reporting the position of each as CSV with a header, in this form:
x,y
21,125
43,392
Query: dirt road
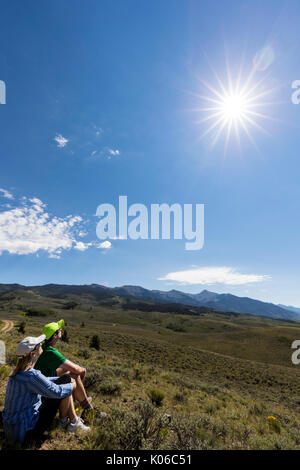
x,y
8,325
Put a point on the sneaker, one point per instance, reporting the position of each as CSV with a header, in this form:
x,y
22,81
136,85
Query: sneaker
x,y
77,426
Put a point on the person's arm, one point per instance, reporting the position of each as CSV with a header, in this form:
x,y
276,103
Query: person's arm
x,y
52,379
45,387
73,368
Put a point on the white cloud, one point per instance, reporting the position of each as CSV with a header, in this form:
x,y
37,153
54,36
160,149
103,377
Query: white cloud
x,y
80,246
61,141
98,131
37,202
28,228
213,275
6,194
105,245
114,152
82,233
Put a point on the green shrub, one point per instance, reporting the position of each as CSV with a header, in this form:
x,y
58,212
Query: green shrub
x,y
274,424
85,353
176,327
110,387
95,342
95,378
70,305
22,327
212,406
136,429
273,442
4,371
257,409
38,312
65,336
190,433
180,397
121,372
137,374
11,359
156,396
92,379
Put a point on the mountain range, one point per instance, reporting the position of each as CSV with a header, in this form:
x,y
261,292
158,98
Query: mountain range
x,y
220,302
223,302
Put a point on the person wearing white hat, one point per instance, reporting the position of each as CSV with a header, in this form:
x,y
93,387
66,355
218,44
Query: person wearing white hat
x,y
32,400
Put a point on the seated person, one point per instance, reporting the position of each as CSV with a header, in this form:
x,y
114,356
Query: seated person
x,y
53,363
32,400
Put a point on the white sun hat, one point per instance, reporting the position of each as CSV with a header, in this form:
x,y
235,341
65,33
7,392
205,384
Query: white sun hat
x,y
28,344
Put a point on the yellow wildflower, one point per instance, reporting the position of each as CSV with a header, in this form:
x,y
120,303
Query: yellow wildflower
x,y
272,417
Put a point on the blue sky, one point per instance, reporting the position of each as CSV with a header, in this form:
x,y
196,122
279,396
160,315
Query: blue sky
x,y
104,99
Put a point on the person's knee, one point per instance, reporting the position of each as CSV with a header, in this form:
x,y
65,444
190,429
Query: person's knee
x,y
63,379
78,380
74,382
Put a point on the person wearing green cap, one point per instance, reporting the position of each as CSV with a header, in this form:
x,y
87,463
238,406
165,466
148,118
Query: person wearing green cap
x,y
52,363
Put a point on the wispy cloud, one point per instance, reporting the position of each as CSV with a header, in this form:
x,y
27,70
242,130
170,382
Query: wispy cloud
x,y
98,131
28,228
82,233
61,141
104,245
81,246
105,153
213,275
89,141
114,152
6,194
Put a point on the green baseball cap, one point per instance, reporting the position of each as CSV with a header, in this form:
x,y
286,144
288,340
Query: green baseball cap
x,y
51,328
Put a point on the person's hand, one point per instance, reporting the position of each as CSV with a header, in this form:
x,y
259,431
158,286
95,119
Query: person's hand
x,y
82,373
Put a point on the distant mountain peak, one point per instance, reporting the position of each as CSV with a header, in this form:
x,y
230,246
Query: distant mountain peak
x,y
224,302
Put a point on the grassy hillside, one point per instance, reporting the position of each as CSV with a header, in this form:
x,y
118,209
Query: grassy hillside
x,y
169,380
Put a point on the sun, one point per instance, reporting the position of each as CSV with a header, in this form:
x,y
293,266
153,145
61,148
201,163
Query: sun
x,y
234,108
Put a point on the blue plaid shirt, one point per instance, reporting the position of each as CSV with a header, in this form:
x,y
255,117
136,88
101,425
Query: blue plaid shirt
x,y
23,399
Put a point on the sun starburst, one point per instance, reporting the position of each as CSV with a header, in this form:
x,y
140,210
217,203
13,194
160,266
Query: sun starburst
x,y
234,108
